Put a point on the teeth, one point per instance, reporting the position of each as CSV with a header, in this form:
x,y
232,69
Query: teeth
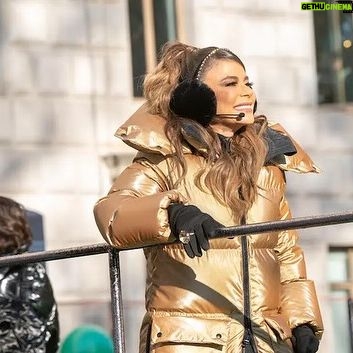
x,y
243,106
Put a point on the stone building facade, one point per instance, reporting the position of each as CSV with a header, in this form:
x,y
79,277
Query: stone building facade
x,y
65,86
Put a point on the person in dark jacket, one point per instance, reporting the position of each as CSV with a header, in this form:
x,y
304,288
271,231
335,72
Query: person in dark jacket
x,y
28,311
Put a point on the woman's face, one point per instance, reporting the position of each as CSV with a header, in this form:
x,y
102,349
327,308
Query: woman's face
x,y
228,79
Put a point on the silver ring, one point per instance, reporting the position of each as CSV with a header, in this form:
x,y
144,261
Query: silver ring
x,y
185,236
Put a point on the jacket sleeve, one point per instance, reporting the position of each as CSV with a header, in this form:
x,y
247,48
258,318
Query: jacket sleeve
x,y
299,302
134,213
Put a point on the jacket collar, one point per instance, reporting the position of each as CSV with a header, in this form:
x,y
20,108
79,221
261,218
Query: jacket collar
x,y
145,132
279,146
300,161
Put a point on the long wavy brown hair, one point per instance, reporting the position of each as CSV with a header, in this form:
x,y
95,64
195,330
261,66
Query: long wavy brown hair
x,y
231,176
15,232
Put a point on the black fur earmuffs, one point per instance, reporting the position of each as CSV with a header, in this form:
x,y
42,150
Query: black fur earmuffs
x,y
194,100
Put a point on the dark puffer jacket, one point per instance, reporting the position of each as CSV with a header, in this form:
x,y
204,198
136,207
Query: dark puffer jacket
x,y
28,311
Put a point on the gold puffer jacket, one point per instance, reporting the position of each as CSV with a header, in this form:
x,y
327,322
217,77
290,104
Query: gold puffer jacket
x,y
197,305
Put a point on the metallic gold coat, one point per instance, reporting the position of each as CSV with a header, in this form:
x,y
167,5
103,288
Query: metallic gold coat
x,y
196,305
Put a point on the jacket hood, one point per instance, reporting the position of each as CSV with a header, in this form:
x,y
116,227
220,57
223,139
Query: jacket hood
x,y
145,132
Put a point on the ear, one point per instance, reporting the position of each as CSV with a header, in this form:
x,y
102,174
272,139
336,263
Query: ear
x,y
194,100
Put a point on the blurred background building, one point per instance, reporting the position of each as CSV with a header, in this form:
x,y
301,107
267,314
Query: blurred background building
x,y
71,73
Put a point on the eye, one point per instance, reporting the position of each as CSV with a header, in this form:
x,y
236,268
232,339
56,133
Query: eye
x,y
250,84
231,83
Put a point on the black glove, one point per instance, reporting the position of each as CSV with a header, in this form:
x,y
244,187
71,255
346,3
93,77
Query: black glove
x,y
199,225
305,340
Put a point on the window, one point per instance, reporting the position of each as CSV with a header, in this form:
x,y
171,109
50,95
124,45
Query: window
x,y
340,276
334,55
152,24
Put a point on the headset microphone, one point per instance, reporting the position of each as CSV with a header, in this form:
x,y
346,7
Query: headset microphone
x,y
238,117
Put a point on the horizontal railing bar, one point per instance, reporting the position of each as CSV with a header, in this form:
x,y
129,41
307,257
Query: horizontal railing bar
x,y
255,228
294,223
49,255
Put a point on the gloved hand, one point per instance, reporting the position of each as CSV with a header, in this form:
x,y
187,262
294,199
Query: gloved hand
x,y
305,340
198,225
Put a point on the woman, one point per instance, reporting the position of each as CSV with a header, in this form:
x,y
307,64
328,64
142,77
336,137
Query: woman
x,y
205,161
28,312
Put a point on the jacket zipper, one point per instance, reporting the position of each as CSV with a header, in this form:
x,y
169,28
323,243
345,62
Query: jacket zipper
x,y
248,339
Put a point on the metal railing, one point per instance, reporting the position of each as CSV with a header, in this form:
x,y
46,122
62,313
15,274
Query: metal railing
x,y
114,262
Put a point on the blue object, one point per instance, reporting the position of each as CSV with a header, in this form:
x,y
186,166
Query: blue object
x,y
35,221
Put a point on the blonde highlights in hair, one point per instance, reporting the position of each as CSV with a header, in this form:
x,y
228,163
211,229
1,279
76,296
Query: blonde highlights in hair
x,y
232,177
159,84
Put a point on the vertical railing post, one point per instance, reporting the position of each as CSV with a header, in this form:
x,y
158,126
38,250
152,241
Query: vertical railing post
x,y
117,301
350,323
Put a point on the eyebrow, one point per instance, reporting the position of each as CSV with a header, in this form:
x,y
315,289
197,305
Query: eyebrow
x,y
246,78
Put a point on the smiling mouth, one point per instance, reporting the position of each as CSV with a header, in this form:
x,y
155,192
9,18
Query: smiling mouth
x,y
243,107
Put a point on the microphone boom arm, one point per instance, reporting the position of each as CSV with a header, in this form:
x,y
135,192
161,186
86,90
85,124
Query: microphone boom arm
x,y
231,116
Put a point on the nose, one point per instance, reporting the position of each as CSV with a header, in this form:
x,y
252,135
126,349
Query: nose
x,y
247,91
